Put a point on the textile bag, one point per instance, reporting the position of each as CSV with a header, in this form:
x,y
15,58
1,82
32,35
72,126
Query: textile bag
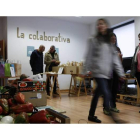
x,y
7,69
2,70
12,69
17,68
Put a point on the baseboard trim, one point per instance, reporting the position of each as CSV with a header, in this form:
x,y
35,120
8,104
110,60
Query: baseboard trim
x,y
64,90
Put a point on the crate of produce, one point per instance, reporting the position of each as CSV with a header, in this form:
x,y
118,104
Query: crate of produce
x,y
7,92
60,118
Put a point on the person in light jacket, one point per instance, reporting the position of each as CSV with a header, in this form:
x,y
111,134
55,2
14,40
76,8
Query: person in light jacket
x,y
101,59
51,59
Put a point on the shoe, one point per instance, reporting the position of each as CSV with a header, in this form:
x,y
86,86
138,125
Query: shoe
x,y
115,110
106,112
94,119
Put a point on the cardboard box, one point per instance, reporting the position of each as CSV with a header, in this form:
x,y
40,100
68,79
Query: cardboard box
x,y
37,98
34,92
68,69
27,86
55,69
79,69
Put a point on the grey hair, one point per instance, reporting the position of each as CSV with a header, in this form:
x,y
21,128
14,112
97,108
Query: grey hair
x,y
53,46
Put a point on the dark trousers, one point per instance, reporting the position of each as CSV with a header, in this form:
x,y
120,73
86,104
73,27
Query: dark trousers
x,y
113,86
48,87
138,77
34,73
114,89
102,88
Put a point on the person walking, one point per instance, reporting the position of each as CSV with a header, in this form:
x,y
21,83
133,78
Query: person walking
x,y
114,81
101,59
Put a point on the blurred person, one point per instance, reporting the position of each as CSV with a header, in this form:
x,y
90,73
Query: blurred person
x,y
114,81
36,60
51,59
135,66
101,59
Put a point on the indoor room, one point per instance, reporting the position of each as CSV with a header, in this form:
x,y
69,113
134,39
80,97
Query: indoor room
x,y
61,86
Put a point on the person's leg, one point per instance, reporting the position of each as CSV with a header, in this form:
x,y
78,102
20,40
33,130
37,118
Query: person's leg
x,y
138,77
94,102
110,83
34,72
102,87
114,92
114,89
54,88
48,87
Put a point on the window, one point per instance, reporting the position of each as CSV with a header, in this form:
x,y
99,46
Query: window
x,y
126,38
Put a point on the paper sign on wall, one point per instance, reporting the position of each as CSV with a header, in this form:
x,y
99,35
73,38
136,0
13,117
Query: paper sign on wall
x,y
30,49
57,51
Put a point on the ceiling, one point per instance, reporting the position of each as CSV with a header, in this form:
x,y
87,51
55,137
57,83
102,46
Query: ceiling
x,y
92,19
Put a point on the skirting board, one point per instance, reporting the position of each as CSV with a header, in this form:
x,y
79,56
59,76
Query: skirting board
x,y
64,90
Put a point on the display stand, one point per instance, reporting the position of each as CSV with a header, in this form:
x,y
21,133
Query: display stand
x,y
52,84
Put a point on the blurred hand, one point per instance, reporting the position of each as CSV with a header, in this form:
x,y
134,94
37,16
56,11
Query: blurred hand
x,y
122,78
53,60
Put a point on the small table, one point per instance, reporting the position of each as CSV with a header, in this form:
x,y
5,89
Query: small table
x,y
6,77
48,75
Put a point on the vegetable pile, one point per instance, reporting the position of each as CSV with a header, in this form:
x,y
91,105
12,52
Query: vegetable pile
x,y
16,110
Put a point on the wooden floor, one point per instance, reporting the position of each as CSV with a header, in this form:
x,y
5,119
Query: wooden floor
x,y
77,109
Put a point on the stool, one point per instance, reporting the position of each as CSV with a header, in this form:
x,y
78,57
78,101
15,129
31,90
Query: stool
x,y
76,90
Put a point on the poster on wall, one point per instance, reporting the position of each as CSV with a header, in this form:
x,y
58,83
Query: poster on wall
x,y
30,49
57,51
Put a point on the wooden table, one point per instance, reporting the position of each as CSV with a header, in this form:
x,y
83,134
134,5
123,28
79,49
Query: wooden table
x,y
52,84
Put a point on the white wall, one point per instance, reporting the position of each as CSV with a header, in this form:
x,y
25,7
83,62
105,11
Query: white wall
x,y
73,51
